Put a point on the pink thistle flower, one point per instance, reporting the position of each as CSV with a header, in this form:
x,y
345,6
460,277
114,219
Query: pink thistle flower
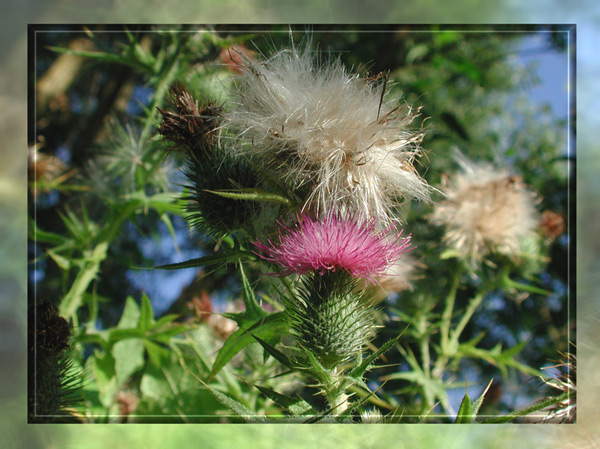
x,y
335,244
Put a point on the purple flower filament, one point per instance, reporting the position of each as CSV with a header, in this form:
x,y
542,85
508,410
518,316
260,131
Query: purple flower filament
x,y
333,244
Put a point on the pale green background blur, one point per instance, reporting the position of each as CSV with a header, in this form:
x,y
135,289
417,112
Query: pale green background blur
x,y
13,122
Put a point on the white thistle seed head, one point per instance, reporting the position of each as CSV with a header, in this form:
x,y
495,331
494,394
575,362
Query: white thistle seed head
x,y
486,210
314,125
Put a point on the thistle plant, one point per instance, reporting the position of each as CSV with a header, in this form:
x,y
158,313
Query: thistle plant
x,y
331,154
330,312
333,282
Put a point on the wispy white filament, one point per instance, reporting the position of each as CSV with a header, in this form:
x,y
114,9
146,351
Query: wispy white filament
x,y
314,125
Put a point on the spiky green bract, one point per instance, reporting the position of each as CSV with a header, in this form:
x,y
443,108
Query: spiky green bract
x,y
330,317
214,214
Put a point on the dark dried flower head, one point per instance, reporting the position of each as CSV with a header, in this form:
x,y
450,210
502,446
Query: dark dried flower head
x,y
191,128
52,332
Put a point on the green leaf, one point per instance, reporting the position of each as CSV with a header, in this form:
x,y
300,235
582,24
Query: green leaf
x,y
154,385
252,309
499,358
446,37
115,335
509,283
465,411
294,404
164,320
533,408
416,52
479,401
104,373
355,405
358,371
157,354
169,224
129,358
44,236
237,407
73,299
265,327
62,262
278,355
165,202
105,57
92,338
449,254
228,42
226,256
131,314
165,333
98,55
146,314
252,195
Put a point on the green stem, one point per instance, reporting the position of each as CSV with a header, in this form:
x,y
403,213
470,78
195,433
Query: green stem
x,y
524,287
473,304
449,309
74,297
334,389
441,361
72,300
426,357
533,408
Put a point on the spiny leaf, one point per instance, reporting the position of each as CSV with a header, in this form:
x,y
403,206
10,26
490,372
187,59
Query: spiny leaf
x,y
277,354
465,411
362,401
252,195
294,404
229,256
479,401
251,306
364,366
237,407
62,262
146,314
270,325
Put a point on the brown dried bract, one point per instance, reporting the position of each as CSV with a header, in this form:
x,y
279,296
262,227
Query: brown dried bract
x,y
553,224
191,128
